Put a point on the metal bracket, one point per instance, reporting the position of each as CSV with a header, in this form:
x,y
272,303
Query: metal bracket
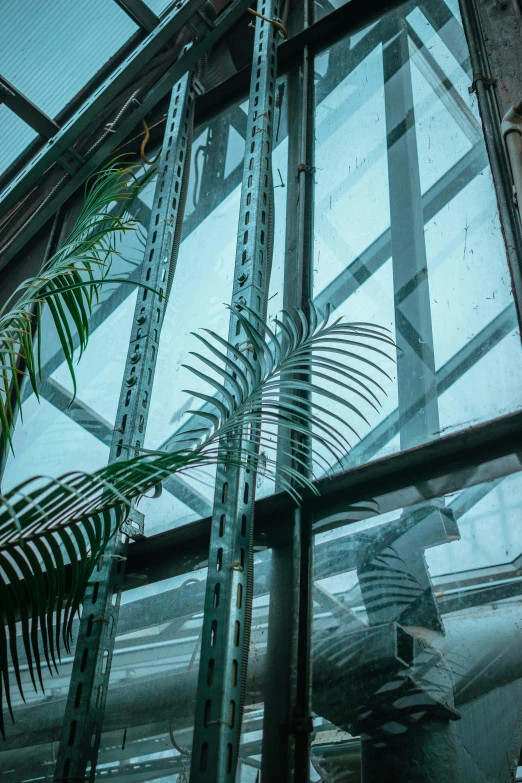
x,y
71,160
479,77
134,525
306,167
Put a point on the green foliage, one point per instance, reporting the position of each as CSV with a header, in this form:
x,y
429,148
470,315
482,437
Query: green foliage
x,y
69,284
286,378
52,531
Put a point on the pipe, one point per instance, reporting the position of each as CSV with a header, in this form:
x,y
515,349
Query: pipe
x,y
512,135
481,647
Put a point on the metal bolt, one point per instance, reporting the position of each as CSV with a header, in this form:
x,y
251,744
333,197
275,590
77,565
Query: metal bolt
x,y
136,356
131,380
241,302
142,319
242,278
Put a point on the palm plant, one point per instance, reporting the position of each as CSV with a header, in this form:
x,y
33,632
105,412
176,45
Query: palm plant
x,y
69,284
53,530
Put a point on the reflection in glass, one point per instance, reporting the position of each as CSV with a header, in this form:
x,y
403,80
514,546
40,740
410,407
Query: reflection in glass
x,y
416,621
407,232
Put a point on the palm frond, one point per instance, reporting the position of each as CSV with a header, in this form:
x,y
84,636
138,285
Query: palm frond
x,y
69,284
48,524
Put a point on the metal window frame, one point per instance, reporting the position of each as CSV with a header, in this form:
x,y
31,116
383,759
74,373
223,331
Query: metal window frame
x,y
425,463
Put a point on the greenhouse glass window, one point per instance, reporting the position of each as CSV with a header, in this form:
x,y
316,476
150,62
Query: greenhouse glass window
x,y
306,567
422,252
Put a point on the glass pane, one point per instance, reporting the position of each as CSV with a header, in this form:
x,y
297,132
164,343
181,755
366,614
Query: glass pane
x,y
325,7
150,709
151,701
54,436
407,233
29,750
416,620
50,52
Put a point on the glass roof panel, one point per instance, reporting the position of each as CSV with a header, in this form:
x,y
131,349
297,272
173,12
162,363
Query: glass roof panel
x,y
50,55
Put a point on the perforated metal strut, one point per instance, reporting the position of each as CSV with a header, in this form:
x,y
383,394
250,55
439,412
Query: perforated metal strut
x,y
85,707
228,598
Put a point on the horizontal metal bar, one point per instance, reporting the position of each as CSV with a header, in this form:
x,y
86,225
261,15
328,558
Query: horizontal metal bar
x,y
140,13
454,454
330,559
347,20
26,110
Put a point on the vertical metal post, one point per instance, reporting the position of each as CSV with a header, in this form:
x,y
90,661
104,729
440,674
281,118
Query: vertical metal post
x,y
416,375
491,120
287,723
417,386
415,357
81,733
228,598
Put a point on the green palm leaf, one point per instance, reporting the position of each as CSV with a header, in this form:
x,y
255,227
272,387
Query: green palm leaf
x,y
69,284
53,531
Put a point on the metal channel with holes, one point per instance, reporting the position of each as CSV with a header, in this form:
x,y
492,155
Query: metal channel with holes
x,y
228,597
82,726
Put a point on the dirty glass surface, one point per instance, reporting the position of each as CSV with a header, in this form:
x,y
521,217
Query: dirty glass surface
x,y
416,622
150,711
54,436
407,233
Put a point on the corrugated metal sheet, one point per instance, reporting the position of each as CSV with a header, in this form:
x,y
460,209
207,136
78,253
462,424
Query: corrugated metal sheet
x,y
49,49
